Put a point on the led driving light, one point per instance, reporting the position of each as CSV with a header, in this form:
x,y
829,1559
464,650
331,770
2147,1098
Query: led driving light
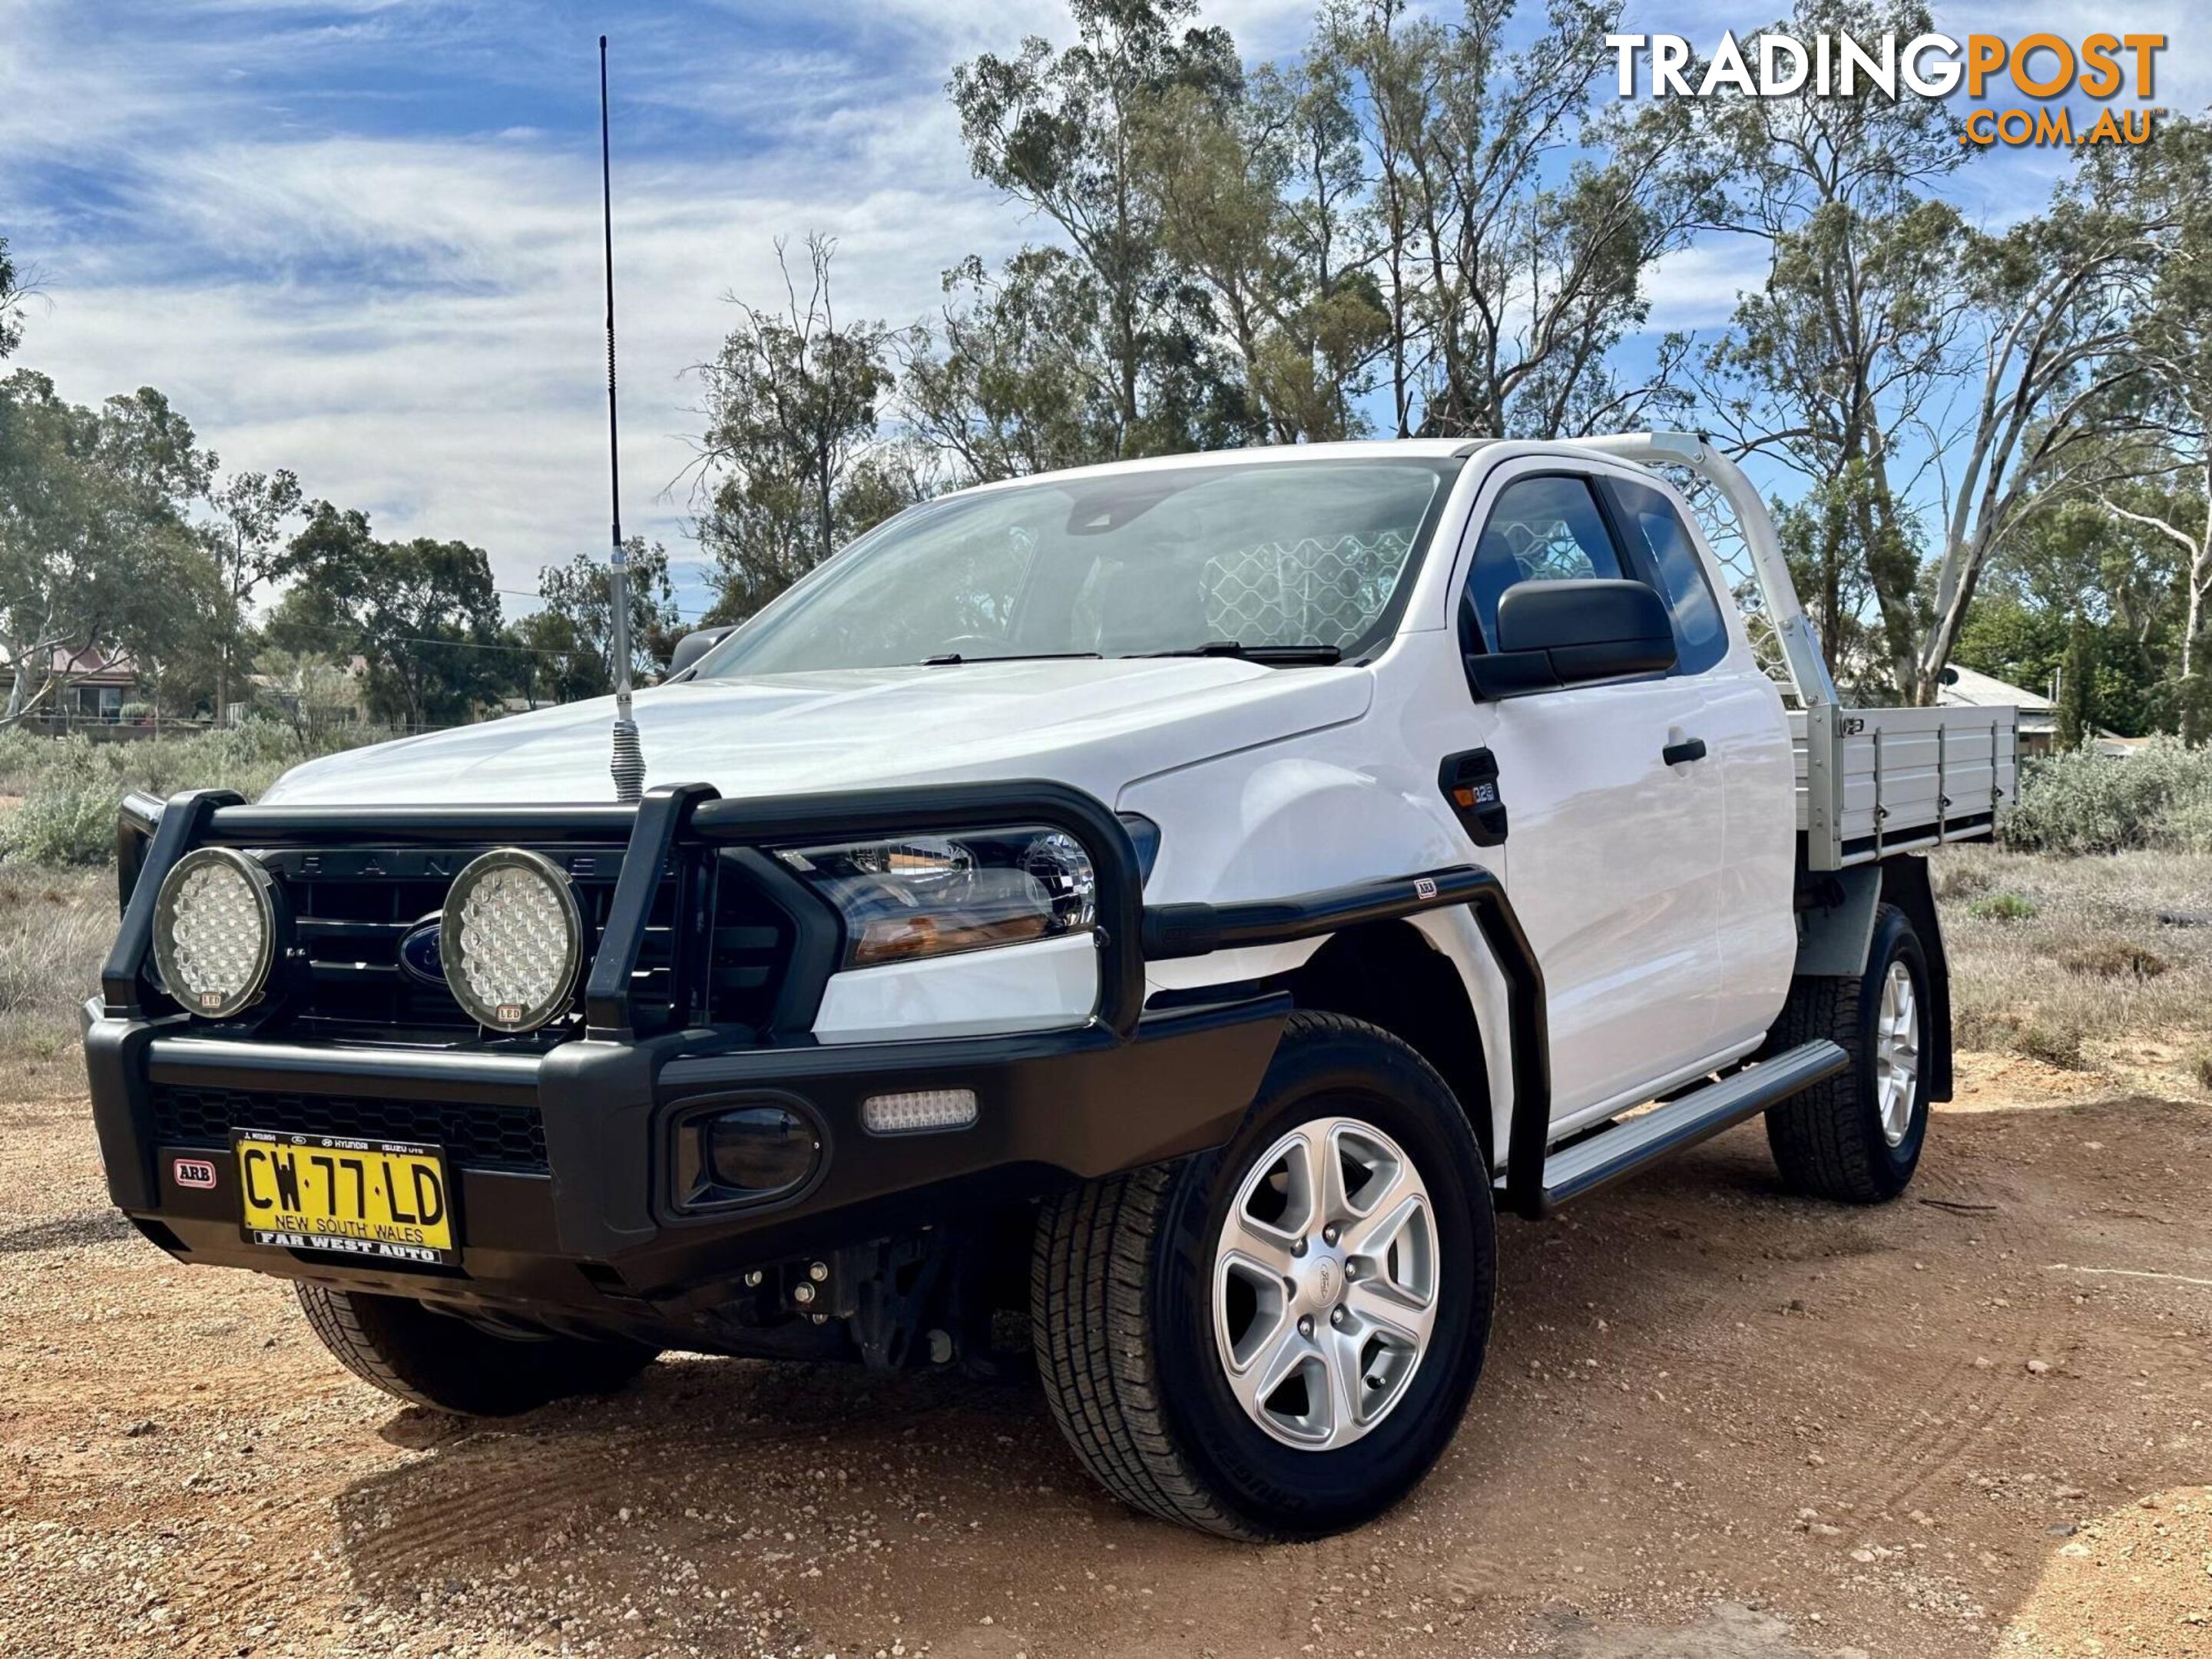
x,y
513,939
919,1110
927,896
214,931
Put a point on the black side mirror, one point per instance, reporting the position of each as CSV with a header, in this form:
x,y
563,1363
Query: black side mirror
x,y
1557,633
695,645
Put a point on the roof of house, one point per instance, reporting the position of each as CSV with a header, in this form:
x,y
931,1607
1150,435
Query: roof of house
x,y
86,666
1970,688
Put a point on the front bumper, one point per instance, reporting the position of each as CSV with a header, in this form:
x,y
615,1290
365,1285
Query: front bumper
x,y
588,1229
601,1235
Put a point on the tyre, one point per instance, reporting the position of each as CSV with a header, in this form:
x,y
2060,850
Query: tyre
x,y
438,1359
1276,1340
1857,1136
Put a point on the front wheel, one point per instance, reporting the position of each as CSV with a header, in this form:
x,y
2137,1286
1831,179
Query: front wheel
x,y
1857,1137
432,1359
1277,1340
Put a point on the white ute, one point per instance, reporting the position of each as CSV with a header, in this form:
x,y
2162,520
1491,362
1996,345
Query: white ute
x,y
1405,832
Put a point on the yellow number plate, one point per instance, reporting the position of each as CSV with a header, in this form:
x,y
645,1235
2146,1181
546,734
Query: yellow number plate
x,y
390,1199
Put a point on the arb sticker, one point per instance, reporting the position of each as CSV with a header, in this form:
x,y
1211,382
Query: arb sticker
x,y
193,1172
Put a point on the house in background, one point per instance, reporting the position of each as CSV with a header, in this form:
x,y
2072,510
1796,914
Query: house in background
x,y
1969,688
95,688
304,689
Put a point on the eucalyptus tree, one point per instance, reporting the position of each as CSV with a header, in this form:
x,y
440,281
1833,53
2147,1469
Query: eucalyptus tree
x,y
1255,196
1932,384
1514,219
248,543
2171,180
2055,386
422,614
1011,377
1061,131
793,404
99,561
1850,340
571,635
11,303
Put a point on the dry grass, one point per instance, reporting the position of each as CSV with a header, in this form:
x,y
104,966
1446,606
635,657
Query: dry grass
x,y
2082,962
55,926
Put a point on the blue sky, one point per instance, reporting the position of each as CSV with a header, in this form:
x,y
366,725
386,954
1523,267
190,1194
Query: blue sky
x,y
361,239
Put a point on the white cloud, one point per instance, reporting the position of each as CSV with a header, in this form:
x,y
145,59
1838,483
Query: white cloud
x,y
1697,287
348,281
413,325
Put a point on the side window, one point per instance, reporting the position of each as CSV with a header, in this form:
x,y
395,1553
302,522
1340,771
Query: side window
x,y
1656,530
1545,528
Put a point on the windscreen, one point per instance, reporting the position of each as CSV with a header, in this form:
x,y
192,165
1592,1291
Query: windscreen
x,y
1256,554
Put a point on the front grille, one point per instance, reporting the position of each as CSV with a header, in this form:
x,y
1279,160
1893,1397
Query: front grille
x,y
353,906
474,1137
753,939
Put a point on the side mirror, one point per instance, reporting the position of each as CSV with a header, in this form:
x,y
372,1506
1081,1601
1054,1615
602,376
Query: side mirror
x,y
1557,633
695,645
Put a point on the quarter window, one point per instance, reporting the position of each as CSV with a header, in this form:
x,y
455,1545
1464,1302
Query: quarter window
x,y
1546,528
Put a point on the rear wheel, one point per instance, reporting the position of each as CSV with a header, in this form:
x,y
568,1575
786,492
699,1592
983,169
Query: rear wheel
x,y
1277,1340
437,1360
1857,1137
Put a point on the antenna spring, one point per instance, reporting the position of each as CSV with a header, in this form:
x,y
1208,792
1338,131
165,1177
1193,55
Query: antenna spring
x,y
629,763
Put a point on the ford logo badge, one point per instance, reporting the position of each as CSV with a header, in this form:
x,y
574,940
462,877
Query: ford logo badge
x,y
419,958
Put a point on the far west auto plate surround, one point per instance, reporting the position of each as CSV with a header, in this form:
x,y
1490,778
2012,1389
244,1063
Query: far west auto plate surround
x,y
390,1200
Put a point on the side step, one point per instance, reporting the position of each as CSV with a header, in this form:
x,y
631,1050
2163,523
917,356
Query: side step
x,y
1577,1170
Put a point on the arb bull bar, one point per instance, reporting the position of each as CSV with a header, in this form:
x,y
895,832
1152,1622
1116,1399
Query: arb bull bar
x,y
596,1237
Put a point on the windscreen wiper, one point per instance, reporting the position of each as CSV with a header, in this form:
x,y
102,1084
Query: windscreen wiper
x,y
953,659
1290,655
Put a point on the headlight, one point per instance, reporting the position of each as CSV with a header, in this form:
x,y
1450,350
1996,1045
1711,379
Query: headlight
x,y
214,931
925,895
513,939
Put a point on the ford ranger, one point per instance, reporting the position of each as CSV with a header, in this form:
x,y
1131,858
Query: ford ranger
x,y
1183,901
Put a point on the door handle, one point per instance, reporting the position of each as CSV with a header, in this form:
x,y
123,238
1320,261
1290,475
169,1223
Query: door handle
x,y
1680,754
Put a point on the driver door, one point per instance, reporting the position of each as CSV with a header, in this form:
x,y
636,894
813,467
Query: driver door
x,y
1614,854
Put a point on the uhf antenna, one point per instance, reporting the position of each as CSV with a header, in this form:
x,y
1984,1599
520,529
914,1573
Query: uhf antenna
x,y
629,762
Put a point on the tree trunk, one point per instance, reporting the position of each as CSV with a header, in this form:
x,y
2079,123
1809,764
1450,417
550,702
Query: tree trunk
x,y
19,692
2190,692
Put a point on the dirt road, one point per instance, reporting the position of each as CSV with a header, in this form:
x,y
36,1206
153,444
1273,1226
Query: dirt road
x,y
1717,1423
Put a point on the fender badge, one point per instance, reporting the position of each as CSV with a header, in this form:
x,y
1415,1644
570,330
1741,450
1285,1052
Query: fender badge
x,y
192,1172
419,957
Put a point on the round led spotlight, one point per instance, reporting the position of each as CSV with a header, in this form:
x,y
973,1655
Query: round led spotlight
x,y
513,941
214,931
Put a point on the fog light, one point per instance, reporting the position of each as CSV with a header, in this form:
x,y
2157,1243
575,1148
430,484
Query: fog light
x,y
759,1151
919,1110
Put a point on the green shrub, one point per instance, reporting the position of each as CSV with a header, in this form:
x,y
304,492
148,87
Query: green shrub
x,y
2002,907
62,823
2159,799
2112,958
72,785
1955,880
2054,1042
